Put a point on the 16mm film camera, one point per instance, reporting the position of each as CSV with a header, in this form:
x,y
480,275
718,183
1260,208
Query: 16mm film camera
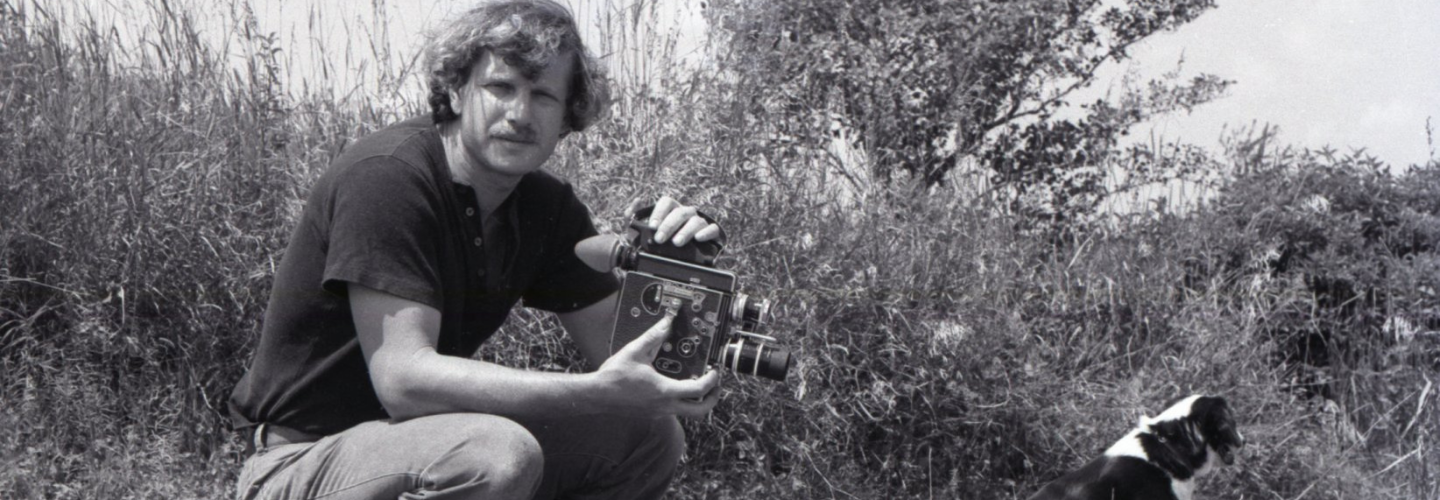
x,y
713,324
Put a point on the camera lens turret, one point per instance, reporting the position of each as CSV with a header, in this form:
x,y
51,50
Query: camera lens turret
x,y
750,313
761,359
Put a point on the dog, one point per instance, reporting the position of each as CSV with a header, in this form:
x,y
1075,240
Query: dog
x,y
1159,459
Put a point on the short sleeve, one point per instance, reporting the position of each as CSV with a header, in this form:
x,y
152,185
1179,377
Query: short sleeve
x,y
383,231
566,283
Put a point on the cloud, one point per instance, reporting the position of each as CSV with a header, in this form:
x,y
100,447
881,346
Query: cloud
x,y
1345,73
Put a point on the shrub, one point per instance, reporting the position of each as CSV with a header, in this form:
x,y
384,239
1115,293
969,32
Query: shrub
x,y
1336,257
943,348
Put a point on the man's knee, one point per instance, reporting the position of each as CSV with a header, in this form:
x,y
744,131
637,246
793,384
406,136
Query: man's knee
x,y
662,446
655,460
671,440
491,454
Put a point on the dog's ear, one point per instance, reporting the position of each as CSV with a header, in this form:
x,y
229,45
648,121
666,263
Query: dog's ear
x,y
1217,424
1212,411
1220,419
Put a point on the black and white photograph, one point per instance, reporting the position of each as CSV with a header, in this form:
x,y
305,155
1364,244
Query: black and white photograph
x,y
719,249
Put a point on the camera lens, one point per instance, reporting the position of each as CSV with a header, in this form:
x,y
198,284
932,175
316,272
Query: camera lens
x,y
759,359
750,313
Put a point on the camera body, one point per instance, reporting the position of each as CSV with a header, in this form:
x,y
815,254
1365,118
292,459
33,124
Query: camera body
x,y
713,323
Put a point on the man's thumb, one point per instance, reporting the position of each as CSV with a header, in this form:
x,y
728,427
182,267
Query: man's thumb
x,y
647,345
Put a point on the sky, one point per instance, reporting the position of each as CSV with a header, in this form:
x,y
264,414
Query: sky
x,y
1339,73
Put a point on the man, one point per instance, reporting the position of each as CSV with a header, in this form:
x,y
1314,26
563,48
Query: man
x,y
411,251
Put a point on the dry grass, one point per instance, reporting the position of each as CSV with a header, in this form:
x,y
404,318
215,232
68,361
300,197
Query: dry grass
x,y
942,351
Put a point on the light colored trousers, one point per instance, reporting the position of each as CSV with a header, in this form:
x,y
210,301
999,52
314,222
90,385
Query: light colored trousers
x,y
473,456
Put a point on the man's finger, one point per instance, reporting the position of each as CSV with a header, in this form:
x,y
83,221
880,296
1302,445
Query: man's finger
x,y
688,231
672,222
697,407
635,205
708,233
662,208
647,345
694,389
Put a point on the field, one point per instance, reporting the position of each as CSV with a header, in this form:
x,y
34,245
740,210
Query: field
x,y
948,344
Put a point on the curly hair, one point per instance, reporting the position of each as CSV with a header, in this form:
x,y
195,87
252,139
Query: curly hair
x,y
529,35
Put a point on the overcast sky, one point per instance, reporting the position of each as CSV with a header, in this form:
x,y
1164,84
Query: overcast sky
x,y
1344,73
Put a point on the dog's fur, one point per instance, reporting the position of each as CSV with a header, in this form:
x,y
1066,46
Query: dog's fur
x,y
1160,459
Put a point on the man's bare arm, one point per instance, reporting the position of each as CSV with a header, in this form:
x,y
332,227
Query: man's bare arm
x,y
590,327
398,338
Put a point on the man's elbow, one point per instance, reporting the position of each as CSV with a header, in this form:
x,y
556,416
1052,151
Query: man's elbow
x,y
400,391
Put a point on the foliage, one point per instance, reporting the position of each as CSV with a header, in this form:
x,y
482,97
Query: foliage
x,y
146,196
1339,253
923,86
943,350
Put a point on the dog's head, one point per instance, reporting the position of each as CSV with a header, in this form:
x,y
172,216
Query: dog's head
x,y
1195,431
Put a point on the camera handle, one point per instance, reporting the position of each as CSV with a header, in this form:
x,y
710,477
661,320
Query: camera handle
x,y
641,236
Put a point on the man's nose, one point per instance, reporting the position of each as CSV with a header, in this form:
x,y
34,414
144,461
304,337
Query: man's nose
x,y
518,108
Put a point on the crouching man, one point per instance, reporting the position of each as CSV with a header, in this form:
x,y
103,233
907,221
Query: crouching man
x,y
411,251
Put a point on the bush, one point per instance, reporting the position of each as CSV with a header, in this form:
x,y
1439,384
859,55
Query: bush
x,y
943,348
1335,256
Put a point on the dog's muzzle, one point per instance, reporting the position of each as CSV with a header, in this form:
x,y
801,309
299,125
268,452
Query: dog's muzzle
x,y
1227,451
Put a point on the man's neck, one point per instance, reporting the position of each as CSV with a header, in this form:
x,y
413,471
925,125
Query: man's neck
x,y
491,187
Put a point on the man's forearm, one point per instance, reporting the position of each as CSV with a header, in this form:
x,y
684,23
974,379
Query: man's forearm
x,y
411,379
430,383
624,384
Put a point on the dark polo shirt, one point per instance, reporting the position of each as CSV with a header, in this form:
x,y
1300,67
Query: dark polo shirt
x,y
387,215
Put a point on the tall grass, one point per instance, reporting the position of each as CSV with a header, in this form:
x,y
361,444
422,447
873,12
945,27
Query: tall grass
x,y
149,184
943,350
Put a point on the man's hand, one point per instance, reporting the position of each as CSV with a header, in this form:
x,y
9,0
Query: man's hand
x,y
680,223
634,386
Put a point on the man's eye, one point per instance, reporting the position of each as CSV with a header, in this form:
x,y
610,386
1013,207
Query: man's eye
x,y
499,87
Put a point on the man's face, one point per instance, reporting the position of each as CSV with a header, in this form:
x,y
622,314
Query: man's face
x,y
510,124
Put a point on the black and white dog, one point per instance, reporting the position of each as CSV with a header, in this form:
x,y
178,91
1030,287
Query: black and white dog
x,y
1160,459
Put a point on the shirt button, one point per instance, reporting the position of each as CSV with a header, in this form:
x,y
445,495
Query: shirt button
x,y
469,211
478,241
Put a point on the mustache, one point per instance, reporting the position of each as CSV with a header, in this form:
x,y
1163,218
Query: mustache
x,y
517,134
